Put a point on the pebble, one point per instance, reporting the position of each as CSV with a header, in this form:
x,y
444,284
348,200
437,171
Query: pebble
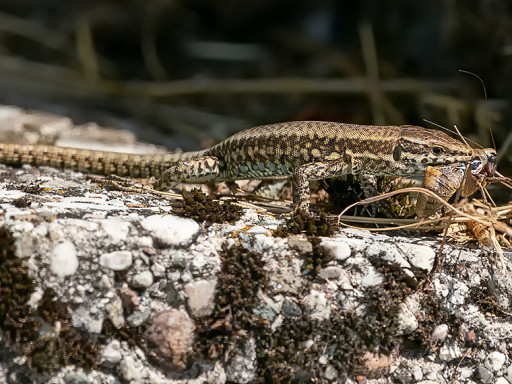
x,y
290,308
485,375
316,302
77,377
299,244
340,250
169,339
64,260
388,252
258,229
331,273
419,256
449,352
330,372
142,279
117,260
117,230
112,352
201,295
440,332
115,312
242,367
130,370
495,360
407,322
137,318
501,380
373,278
170,230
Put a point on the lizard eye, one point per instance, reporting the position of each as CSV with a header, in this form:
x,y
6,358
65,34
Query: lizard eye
x,y
437,150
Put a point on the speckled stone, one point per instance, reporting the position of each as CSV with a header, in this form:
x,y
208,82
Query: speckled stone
x,y
64,259
117,260
169,339
201,295
170,230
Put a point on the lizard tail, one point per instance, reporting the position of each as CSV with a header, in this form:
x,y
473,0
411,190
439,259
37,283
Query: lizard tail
x,y
101,162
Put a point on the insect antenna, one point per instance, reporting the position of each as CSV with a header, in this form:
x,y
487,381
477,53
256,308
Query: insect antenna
x,y
486,99
457,132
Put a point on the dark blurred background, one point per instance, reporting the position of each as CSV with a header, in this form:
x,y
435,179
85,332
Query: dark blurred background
x,y
188,73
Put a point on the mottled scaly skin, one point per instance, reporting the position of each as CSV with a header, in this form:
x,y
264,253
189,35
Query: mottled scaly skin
x,y
304,150
101,162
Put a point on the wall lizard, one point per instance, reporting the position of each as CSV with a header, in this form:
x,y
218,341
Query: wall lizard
x,y
302,150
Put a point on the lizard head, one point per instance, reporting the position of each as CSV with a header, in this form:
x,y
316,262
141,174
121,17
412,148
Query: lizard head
x,y
420,147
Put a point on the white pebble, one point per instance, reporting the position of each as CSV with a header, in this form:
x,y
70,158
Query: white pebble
x,y
449,352
495,361
440,332
117,230
117,260
170,230
337,249
64,260
143,279
130,370
112,352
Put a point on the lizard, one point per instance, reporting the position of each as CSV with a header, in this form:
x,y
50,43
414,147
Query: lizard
x,y
302,150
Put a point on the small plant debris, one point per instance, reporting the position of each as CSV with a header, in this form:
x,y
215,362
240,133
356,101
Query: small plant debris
x,y
50,352
16,287
32,189
317,259
311,225
22,202
241,279
201,207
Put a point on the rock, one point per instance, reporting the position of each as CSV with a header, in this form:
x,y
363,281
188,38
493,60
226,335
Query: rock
x,y
407,322
243,366
77,377
331,273
373,278
137,318
316,302
130,370
330,372
299,244
387,251
449,352
170,230
485,375
258,229
169,339
439,333
117,230
82,318
419,256
112,352
64,260
201,295
495,361
142,279
290,308
340,250
501,380
115,312
117,260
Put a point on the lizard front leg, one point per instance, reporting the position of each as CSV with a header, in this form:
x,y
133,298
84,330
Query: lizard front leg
x,y
305,173
200,170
